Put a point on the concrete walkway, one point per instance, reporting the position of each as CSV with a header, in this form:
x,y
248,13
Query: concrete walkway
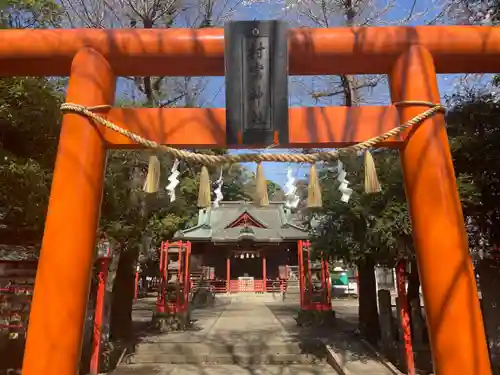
x,y
247,322
248,335
239,336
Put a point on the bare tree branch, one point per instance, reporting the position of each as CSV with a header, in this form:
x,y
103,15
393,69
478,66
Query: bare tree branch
x,y
371,83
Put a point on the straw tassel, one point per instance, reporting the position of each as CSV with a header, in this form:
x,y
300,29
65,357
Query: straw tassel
x,y
261,197
152,183
204,198
372,184
314,189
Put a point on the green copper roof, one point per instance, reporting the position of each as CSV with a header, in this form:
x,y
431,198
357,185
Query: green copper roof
x,y
279,225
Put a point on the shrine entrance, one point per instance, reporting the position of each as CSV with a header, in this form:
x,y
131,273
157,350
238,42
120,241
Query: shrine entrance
x,y
410,57
246,264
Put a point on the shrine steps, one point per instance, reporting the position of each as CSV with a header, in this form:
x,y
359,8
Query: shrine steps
x,y
228,354
204,369
258,297
240,335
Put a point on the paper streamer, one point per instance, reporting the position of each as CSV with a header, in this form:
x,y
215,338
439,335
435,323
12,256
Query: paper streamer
x,y
343,188
218,191
292,199
173,180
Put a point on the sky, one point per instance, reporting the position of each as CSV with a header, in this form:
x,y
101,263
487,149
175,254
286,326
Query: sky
x,y
213,94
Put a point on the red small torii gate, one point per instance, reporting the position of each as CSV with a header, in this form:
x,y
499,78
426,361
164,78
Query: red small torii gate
x,y
411,56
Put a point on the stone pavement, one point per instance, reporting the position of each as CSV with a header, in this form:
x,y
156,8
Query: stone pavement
x,y
241,336
224,370
238,336
351,355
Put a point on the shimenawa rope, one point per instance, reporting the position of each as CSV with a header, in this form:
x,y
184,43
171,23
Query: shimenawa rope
x,y
204,159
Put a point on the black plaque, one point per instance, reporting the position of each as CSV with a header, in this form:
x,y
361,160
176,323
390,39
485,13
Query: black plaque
x,y
256,62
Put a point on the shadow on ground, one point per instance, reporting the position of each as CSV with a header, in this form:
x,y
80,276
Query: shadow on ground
x,y
341,337
228,338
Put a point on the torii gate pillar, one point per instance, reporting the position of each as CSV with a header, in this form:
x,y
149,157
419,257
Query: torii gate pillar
x,y
448,283
58,310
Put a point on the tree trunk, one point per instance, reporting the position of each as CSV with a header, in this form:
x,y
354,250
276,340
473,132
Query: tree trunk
x,y
108,299
368,311
123,296
489,278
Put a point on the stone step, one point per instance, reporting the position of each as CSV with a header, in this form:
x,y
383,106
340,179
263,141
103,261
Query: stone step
x,y
165,369
215,348
227,359
193,353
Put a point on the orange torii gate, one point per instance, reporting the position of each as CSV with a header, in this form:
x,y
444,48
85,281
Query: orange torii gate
x,y
411,56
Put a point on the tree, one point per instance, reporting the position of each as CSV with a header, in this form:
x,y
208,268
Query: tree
x,y
368,230
360,232
138,222
29,123
275,192
474,139
149,14
20,14
28,147
236,181
470,12
346,89
475,142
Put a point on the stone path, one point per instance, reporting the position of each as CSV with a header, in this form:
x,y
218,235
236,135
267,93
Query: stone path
x,y
239,336
242,336
350,354
224,370
248,322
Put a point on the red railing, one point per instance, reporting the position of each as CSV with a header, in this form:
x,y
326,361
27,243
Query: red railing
x,y
244,286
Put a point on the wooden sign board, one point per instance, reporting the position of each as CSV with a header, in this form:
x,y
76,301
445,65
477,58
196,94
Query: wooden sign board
x,y
256,69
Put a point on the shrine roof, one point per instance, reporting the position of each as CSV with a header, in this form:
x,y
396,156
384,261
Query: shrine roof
x,y
243,220
16,253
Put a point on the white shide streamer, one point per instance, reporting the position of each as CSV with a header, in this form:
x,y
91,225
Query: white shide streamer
x,y
173,180
218,191
343,188
292,199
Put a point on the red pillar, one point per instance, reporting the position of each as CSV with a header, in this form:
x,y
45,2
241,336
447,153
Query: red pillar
x,y
309,275
228,273
300,255
98,316
264,271
328,284
136,283
63,277
454,318
160,301
405,316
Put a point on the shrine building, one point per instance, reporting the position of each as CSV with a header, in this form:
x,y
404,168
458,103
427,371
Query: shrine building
x,y
241,247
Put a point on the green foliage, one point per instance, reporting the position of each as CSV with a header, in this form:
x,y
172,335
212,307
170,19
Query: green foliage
x,y
380,225
275,192
247,188
475,142
29,118
16,14
236,183
29,123
29,129
376,224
